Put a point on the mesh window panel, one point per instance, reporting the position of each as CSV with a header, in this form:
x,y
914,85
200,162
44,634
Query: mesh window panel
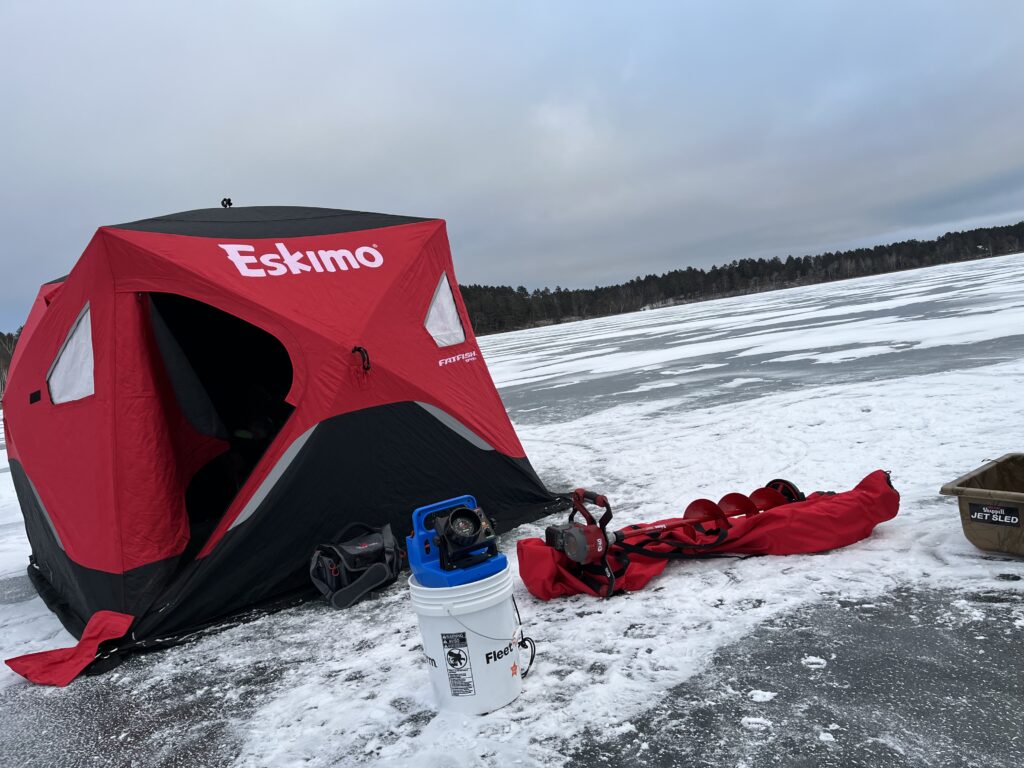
x,y
71,375
443,321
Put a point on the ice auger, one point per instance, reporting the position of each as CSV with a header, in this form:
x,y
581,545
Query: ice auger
x,y
586,556
590,543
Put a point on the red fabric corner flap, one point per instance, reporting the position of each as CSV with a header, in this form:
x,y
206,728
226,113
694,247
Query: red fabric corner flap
x,y
62,665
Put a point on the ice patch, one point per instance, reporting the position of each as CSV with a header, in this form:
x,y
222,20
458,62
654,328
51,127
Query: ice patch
x,y
837,356
693,369
654,385
739,382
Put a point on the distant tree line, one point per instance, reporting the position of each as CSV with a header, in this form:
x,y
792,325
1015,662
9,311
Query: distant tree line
x,y
7,342
503,308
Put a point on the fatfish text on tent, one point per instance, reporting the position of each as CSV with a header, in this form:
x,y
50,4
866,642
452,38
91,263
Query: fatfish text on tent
x,y
284,261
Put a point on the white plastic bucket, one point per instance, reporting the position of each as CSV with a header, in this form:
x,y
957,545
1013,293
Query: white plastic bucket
x,y
470,639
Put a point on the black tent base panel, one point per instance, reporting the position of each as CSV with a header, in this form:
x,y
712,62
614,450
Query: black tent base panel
x,y
373,466
113,653
70,620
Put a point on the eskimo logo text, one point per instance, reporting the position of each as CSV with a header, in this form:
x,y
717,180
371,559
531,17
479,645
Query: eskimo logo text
x,y
284,261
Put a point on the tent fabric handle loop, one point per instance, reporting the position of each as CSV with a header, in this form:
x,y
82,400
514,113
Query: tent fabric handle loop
x,y
364,355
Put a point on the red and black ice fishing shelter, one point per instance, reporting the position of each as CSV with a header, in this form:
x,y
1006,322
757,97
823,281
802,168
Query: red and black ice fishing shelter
x,y
210,394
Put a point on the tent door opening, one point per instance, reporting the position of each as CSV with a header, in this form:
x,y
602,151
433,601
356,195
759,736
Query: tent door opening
x,y
230,380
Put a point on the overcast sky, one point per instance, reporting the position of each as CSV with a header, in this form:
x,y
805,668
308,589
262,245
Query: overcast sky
x,y
566,144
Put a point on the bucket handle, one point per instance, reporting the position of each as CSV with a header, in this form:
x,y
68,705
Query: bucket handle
x,y
522,642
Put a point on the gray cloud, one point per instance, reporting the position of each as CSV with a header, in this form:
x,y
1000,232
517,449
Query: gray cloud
x,y
568,143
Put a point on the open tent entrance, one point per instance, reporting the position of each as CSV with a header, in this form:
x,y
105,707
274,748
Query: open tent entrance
x,y
230,380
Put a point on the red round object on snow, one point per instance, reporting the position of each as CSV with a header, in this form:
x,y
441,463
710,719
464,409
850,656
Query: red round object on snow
x,y
703,508
767,498
737,504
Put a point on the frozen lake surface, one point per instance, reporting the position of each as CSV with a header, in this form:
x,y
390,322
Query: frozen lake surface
x,y
905,649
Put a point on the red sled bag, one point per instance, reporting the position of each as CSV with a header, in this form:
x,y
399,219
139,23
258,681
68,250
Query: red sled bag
x,y
822,522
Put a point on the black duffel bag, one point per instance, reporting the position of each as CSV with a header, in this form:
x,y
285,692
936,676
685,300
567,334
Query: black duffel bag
x,y
349,571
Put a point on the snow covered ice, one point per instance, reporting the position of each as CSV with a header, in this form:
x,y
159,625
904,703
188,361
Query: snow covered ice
x,y
919,372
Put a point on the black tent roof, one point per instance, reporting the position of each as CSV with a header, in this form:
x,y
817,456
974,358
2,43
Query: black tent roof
x,y
265,221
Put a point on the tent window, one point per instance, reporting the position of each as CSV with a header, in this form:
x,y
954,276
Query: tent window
x,y
71,375
443,321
